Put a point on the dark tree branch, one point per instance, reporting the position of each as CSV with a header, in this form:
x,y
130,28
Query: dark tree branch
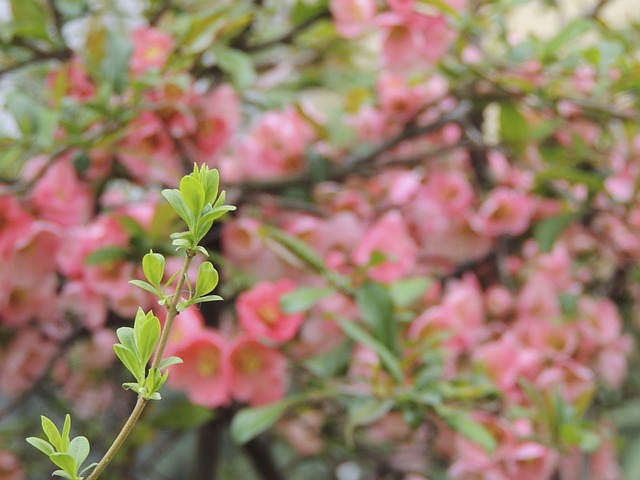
x,y
290,36
354,163
58,21
260,455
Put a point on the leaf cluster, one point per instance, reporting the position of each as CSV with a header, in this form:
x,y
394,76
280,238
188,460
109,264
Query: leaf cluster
x,y
68,454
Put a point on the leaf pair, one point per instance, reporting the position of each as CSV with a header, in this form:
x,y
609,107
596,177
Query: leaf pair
x,y
135,350
197,202
67,454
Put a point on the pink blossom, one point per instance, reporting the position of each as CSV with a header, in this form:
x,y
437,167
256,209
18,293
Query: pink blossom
x,y
410,39
352,17
10,466
504,212
26,359
259,311
499,301
73,80
389,236
276,145
217,117
257,372
151,49
79,303
574,381
538,299
148,153
60,197
205,372
15,222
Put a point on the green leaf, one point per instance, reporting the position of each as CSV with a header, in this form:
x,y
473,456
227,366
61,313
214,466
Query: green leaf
x,y
43,446
145,286
389,360
207,298
567,36
106,254
238,64
115,64
407,291
513,127
294,246
250,422
52,433
66,429
167,362
548,230
130,361
153,268
210,183
207,279
29,19
376,307
469,428
127,336
193,195
79,449
60,473
65,461
302,299
365,413
305,10
147,339
174,197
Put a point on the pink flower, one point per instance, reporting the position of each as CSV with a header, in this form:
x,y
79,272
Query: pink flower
x,y
151,49
81,304
257,372
260,314
15,222
25,361
276,145
74,80
148,152
504,212
217,118
10,466
390,237
60,197
352,17
204,374
410,39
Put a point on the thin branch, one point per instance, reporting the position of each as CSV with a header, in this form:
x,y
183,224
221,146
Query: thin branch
x,y
58,21
594,13
38,57
141,403
290,36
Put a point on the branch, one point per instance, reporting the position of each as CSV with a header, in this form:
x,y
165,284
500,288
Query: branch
x,y
288,37
354,163
58,21
594,13
38,57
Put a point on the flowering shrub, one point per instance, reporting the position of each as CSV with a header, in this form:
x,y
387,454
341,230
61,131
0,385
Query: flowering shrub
x,y
431,272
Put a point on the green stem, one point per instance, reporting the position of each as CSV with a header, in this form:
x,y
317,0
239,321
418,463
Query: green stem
x,y
142,402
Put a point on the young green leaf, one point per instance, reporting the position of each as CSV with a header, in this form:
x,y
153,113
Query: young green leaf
x,y
207,279
389,360
302,299
376,307
174,197
43,446
52,433
66,429
65,461
167,362
251,422
129,360
145,286
79,449
153,268
147,338
193,195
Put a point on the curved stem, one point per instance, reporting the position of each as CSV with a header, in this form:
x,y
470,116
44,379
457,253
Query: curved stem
x,y
142,402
